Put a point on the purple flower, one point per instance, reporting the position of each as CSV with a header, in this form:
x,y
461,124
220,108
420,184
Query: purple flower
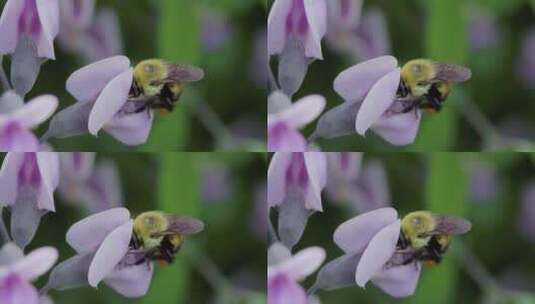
x,y
105,85
369,90
16,124
95,188
17,271
371,38
285,271
103,254
483,182
216,182
305,20
369,242
36,19
216,29
343,15
526,223
343,171
287,118
482,29
526,61
27,185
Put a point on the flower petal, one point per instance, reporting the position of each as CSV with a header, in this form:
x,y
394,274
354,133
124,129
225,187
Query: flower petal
x,y
378,100
25,218
355,234
283,290
316,12
15,138
355,82
35,264
316,165
9,26
131,281
70,273
398,129
338,273
48,163
302,112
277,178
110,101
276,25
86,83
283,138
14,290
277,253
338,121
36,111
303,263
399,281
48,11
110,253
131,129
87,234
9,173
377,253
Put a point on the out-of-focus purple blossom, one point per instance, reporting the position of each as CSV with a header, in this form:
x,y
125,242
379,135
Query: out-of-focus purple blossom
x,y
526,59
37,20
27,184
216,29
259,222
482,29
102,90
526,222
286,118
95,188
17,121
285,271
369,90
483,182
17,271
343,170
305,21
103,254
94,37
216,182
369,242
258,67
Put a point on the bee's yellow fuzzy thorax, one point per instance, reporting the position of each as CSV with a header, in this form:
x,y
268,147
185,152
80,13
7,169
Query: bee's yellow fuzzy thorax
x,y
148,71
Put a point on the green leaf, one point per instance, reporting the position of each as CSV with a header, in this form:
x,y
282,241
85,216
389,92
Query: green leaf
x,y
178,191
438,131
445,194
178,41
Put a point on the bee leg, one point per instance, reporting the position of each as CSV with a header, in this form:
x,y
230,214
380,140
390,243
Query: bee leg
x,y
167,255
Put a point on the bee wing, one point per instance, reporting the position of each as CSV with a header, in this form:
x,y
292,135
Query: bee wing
x,y
185,73
184,225
451,72
451,225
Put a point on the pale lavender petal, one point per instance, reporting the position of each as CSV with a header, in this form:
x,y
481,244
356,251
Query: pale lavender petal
x,y
131,129
372,38
373,191
337,273
277,253
9,174
104,38
283,290
355,234
303,263
70,273
25,218
303,111
14,290
110,101
10,253
77,13
344,15
399,281
131,281
278,102
87,234
36,263
293,218
76,165
281,137
277,178
355,82
398,129
49,17
103,190
48,163
316,11
377,253
316,165
15,138
36,111
338,121
378,100
86,83
110,253
9,26
276,25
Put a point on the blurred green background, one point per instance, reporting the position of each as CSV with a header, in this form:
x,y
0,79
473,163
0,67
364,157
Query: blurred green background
x,y
439,30
493,263
225,264
173,30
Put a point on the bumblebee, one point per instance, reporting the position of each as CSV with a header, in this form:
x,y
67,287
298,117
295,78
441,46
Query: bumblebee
x,y
158,84
425,236
158,236
426,84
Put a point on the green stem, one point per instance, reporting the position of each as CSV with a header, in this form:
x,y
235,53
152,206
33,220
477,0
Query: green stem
x,y
213,124
478,121
205,266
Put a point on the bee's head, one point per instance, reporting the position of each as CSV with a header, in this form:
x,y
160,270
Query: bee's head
x,y
150,70
416,226
150,222
417,74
